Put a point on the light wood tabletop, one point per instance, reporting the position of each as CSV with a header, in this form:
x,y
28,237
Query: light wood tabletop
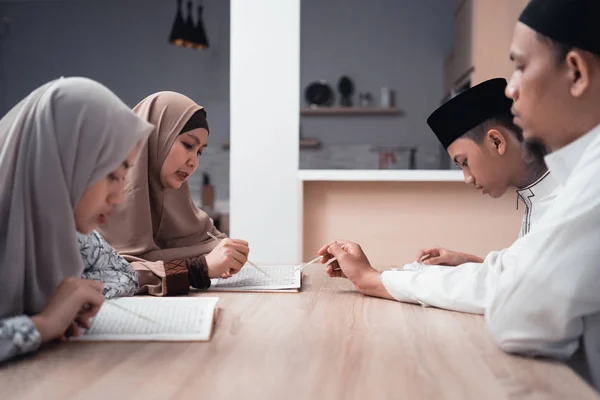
x,y
327,342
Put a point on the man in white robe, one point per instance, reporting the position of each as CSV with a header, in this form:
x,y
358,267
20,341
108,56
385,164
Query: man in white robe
x,y
549,303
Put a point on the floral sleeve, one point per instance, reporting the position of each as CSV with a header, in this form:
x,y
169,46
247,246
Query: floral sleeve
x,y
18,335
103,263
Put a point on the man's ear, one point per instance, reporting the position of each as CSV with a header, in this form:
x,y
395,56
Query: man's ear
x,y
579,72
497,140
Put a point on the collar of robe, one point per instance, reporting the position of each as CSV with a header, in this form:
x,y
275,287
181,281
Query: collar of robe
x,y
563,161
538,190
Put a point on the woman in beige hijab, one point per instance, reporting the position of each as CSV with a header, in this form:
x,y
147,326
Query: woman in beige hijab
x,y
64,153
159,228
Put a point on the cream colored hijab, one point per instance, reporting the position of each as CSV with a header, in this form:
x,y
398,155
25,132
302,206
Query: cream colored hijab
x,y
58,141
154,223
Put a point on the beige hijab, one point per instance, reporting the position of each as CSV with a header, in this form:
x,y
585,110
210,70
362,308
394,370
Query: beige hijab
x,y
58,141
154,223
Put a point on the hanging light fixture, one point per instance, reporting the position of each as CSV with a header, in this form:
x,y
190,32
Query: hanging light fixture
x,y
199,38
178,31
188,27
184,33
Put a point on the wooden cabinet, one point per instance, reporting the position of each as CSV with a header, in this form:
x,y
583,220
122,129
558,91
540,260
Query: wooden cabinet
x,y
448,73
463,39
482,35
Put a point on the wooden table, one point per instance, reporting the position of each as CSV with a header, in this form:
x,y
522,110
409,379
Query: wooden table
x,y
327,342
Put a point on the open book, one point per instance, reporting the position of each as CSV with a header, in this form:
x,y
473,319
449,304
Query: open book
x,y
418,266
414,266
281,278
154,319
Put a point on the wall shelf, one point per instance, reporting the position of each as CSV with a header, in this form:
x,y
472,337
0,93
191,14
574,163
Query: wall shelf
x,y
350,111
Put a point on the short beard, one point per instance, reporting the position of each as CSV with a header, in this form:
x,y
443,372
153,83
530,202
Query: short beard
x,y
534,153
536,148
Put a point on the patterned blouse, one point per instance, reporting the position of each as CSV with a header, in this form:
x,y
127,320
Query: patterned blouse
x,y
18,335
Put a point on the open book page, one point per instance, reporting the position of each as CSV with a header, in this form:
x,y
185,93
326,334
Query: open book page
x,y
280,278
414,266
154,319
418,266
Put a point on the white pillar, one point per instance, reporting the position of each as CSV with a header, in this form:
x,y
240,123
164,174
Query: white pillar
x,y
265,83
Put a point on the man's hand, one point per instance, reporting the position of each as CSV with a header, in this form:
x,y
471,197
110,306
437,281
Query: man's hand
x,y
440,256
352,263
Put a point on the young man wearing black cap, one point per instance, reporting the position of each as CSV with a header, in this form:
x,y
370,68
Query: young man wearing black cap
x,y
477,130
549,303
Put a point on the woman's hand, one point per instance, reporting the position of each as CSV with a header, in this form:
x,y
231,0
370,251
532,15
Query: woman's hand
x,y
69,308
227,258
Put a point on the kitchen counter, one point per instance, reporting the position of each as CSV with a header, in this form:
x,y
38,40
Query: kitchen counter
x,y
408,175
394,213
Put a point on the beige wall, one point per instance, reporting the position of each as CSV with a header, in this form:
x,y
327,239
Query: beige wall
x,y
392,220
493,25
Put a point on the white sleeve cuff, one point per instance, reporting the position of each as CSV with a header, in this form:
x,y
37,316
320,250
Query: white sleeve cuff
x,y
396,283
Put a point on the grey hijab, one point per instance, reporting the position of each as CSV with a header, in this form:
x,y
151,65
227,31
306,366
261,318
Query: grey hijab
x,y
62,138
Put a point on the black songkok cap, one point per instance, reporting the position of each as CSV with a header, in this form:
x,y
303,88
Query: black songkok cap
x,y
469,109
571,22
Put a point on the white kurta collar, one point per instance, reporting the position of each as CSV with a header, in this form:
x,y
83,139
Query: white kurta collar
x,y
563,161
539,189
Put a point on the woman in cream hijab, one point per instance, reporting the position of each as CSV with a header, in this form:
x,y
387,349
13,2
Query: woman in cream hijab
x,y
158,228
64,152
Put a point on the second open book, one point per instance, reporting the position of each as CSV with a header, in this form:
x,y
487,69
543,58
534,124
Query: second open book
x,y
154,319
278,279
